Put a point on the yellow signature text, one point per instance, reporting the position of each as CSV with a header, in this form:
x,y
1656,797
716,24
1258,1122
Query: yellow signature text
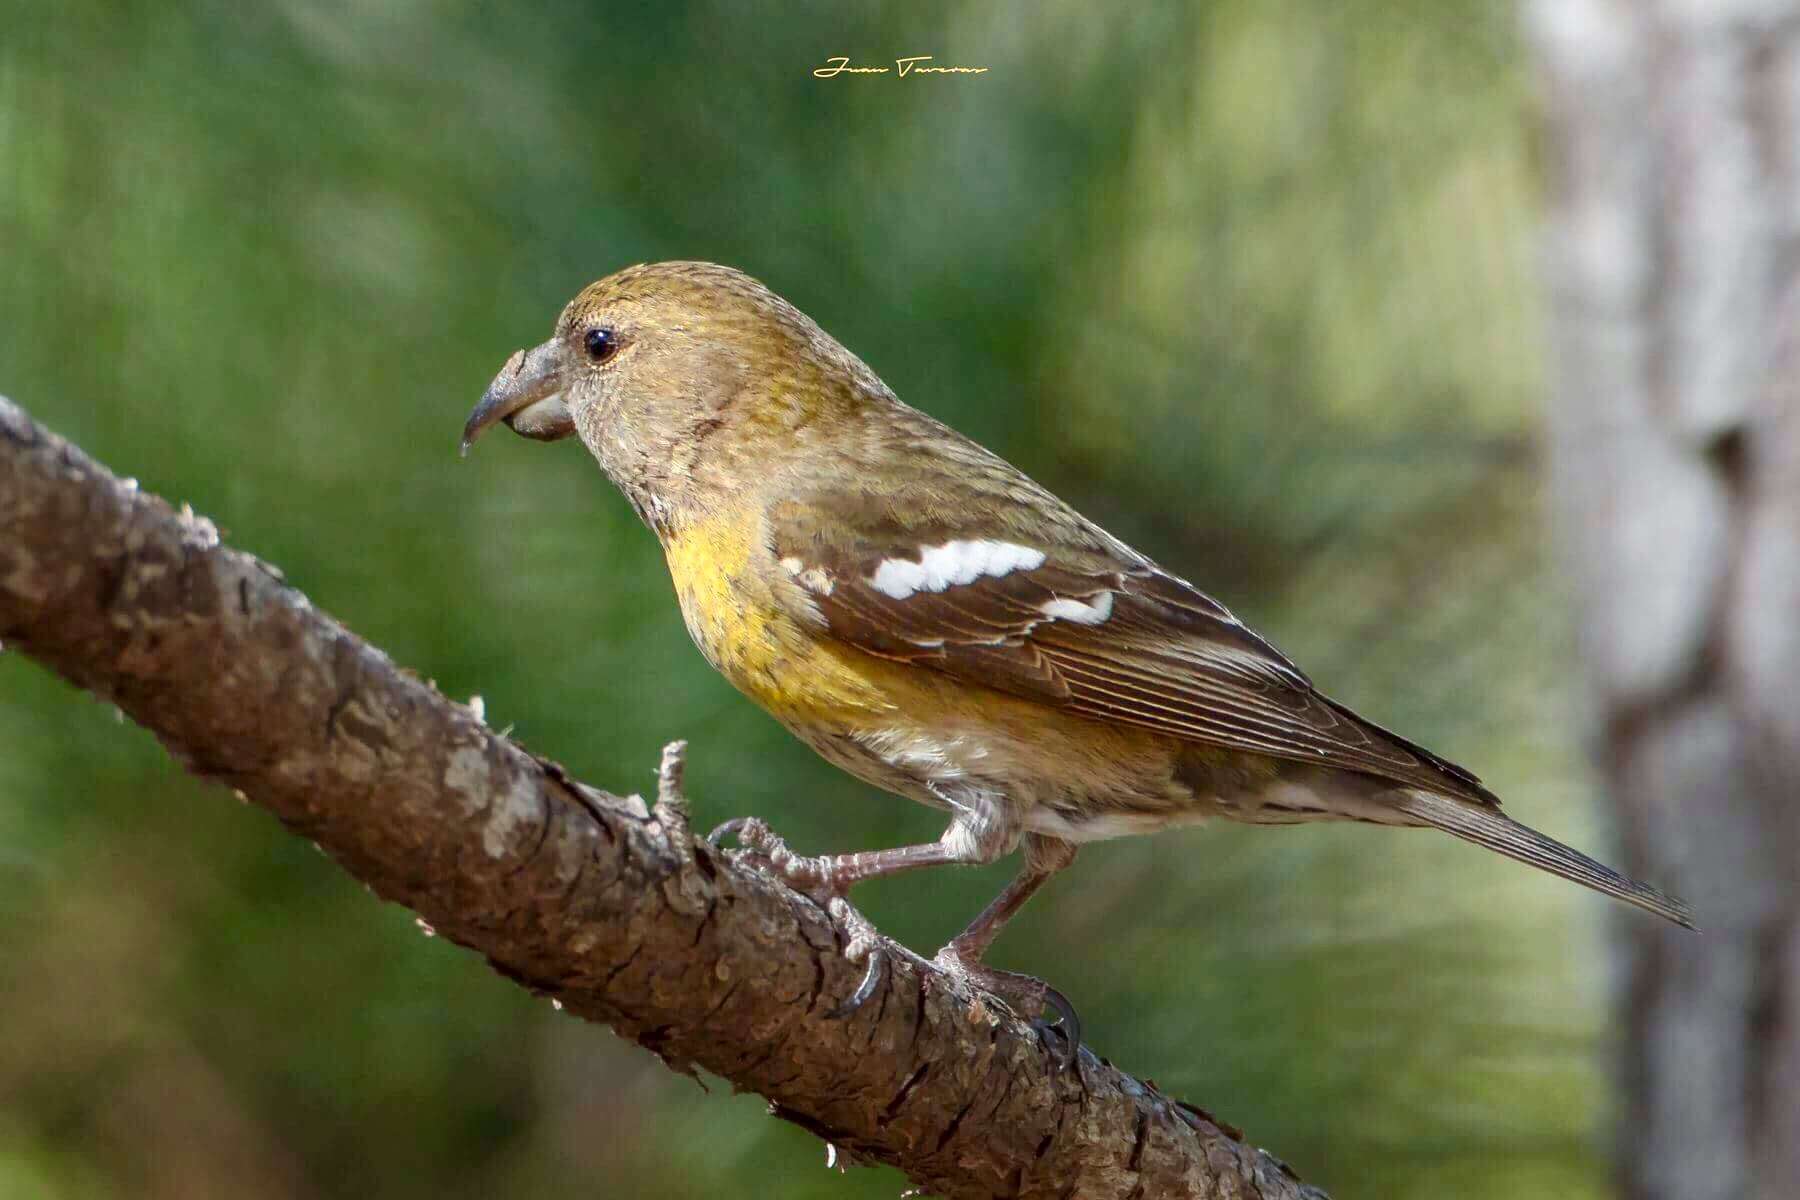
x,y
916,65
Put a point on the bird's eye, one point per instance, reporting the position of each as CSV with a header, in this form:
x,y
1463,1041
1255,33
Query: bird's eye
x,y
601,342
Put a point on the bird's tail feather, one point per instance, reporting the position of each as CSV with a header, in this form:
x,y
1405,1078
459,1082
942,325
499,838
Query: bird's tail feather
x,y
1493,829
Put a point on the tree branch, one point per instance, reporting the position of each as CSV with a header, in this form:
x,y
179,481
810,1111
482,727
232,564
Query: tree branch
x,y
591,898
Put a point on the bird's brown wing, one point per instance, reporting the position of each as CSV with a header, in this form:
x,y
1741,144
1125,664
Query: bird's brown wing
x,y
1087,626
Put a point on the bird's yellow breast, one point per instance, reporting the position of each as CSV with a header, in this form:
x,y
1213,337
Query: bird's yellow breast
x,y
724,578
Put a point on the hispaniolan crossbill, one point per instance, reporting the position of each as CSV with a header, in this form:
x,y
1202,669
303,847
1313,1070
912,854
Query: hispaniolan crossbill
x,y
926,617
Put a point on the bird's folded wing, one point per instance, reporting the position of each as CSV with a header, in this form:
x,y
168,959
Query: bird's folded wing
x,y
1087,626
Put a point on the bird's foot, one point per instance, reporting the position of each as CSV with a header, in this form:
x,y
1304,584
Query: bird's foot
x,y
1030,996
819,877
866,945
822,881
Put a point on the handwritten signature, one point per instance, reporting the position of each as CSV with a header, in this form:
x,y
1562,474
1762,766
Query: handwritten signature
x,y
905,66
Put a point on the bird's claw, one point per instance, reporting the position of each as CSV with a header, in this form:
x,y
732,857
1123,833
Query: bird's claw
x,y
1029,996
1061,1037
733,828
809,875
865,945
813,877
755,840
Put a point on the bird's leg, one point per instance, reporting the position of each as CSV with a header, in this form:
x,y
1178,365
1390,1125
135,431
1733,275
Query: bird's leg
x,y
983,830
1044,857
824,876
962,955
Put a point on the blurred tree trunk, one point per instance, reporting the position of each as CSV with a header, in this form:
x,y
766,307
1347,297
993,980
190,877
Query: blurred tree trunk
x,y
1673,163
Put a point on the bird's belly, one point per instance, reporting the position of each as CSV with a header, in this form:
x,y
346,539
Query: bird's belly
x,y
1064,776
853,752
1097,825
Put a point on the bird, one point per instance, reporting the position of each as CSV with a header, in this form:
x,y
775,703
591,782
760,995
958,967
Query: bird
x,y
928,618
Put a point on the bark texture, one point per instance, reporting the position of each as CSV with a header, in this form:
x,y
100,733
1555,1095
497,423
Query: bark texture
x,y
597,900
1673,139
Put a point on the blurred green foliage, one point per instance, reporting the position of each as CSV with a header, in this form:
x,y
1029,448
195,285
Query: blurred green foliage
x,y
1248,280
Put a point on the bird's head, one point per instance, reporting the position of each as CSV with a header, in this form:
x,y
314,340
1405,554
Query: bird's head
x,y
673,371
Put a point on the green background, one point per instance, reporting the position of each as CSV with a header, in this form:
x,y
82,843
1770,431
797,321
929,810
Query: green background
x,y
1249,281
